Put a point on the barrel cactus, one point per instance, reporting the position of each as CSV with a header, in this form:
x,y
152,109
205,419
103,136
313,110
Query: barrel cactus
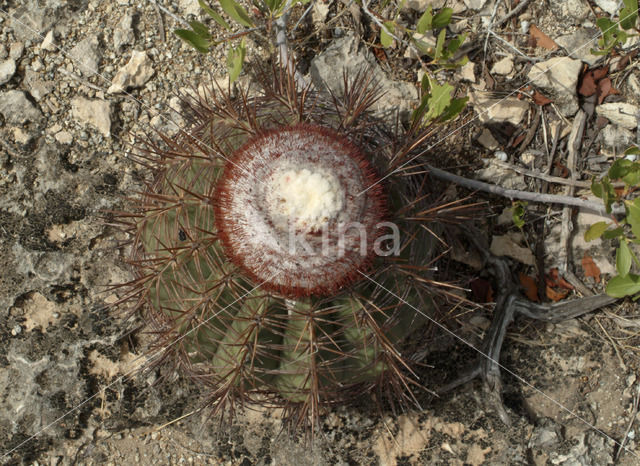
x,y
283,246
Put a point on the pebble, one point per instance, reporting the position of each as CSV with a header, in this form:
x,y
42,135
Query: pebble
x,y
7,70
63,137
558,76
620,113
48,42
487,140
86,55
16,49
503,67
467,72
491,110
17,109
123,34
16,330
94,112
608,6
501,155
135,73
574,45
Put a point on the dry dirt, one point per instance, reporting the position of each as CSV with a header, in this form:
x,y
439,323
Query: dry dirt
x,y
69,392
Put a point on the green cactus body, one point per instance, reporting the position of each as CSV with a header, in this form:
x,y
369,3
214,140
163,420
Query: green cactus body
x,y
255,320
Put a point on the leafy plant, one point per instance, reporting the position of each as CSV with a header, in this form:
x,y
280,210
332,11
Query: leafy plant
x,y
612,35
625,231
200,38
437,104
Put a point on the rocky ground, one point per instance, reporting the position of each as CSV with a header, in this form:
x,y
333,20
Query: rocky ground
x,y
67,391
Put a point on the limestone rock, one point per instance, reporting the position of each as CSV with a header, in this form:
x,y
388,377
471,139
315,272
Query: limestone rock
x,y
558,76
94,112
135,73
86,55
7,70
346,55
620,113
17,108
490,110
574,45
48,43
123,34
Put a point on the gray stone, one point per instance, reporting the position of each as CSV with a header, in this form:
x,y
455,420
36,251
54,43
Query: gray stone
x,y
7,70
345,55
37,87
32,19
123,34
616,139
492,110
578,45
86,55
48,43
576,10
620,113
17,108
135,73
15,50
503,67
558,76
475,4
97,113
608,6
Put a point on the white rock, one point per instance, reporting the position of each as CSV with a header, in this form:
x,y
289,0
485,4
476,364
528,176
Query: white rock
x,y
616,138
94,112
63,137
123,34
487,140
559,77
48,43
609,6
17,109
576,11
16,49
86,55
503,67
20,136
467,72
475,4
135,73
491,110
574,44
501,155
496,174
7,70
189,7
620,113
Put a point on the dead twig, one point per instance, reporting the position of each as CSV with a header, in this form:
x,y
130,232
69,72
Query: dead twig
x,y
521,6
516,194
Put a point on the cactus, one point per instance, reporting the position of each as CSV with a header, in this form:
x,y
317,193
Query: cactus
x,y
231,305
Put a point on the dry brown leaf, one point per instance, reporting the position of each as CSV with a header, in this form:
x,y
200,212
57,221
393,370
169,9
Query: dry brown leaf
x,y
590,268
541,99
554,280
605,89
587,86
556,296
530,287
541,39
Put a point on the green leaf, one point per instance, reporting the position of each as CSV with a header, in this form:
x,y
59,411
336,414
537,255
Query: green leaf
x,y
385,39
615,233
629,14
425,23
633,216
439,99
442,19
190,37
216,17
619,168
595,231
623,259
200,29
440,45
455,43
633,150
517,216
454,108
633,177
619,287
597,189
236,12
235,59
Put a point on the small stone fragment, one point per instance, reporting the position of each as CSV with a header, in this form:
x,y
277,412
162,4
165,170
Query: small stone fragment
x,y
16,49
608,6
94,112
7,70
558,76
37,87
467,72
63,137
48,42
135,73
503,67
574,45
17,108
123,34
487,140
491,110
20,136
620,113
86,55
